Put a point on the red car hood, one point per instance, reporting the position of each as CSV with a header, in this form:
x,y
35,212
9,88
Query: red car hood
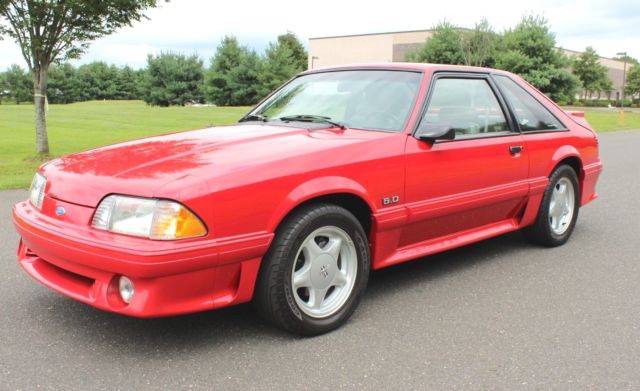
x,y
144,167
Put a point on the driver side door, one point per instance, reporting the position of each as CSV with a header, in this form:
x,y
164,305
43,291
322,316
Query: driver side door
x,y
476,181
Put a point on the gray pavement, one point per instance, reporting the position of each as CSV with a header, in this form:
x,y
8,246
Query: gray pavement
x,y
500,314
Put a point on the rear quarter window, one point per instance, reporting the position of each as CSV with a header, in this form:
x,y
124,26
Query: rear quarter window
x,y
531,115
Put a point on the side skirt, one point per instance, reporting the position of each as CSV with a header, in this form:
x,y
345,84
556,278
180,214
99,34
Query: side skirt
x,y
448,242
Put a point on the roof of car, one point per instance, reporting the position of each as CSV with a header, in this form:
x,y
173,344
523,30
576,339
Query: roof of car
x,y
408,66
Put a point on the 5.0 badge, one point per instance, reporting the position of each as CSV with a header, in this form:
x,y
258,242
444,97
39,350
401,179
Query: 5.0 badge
x,y
390,200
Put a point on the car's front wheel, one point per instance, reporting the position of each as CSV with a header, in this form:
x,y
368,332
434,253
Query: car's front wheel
x,y
558,211
315,272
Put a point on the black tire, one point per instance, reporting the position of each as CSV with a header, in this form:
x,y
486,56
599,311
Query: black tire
x,y
541,232
274,293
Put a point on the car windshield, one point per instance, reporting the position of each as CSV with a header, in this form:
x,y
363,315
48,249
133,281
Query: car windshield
x,y
362,99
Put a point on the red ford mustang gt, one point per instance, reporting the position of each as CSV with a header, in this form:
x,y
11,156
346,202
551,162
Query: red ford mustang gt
x,y
340,171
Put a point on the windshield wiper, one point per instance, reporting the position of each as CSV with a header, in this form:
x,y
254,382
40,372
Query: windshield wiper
x,y
254,117
313,118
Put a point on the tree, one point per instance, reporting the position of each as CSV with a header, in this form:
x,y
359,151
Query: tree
x,y
443,47
223,77
140,78
50,31
173,79
246,82
590,72
17,84
632,86
299,56
628,59
605,85
479,45
63,84
126,84
97,81
4,90
283,59
227,57
633,81
529,50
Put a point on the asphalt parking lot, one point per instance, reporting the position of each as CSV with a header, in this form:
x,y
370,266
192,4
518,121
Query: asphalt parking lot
x,y
500,314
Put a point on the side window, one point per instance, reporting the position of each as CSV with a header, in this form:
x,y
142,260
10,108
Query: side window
x,y
468,106
530,113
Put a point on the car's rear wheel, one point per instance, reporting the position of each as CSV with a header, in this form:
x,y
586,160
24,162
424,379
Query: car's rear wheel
x,y
558,211
315,272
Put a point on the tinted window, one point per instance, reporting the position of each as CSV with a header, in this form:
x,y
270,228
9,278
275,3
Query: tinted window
x,y
361,99
530,113
469,106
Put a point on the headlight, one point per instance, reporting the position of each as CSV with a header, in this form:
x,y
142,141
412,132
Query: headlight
x,y
36,192
150,218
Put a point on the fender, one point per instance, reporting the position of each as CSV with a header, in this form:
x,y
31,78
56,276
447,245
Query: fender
x,y
318,187
539,184
559,155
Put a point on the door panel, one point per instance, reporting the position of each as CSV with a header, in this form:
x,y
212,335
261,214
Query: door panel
x,y
460,185
477,179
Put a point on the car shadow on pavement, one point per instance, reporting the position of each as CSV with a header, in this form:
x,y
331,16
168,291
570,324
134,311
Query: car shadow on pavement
x,y
67,318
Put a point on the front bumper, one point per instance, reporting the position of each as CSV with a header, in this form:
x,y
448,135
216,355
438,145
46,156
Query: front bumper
x,y
170,277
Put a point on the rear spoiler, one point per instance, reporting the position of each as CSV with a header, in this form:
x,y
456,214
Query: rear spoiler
x,y
575,113
579,118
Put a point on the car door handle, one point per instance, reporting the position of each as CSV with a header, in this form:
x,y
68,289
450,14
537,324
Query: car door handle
x,y
514,149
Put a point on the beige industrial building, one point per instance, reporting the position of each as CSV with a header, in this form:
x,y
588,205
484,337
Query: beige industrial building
x,y
394,46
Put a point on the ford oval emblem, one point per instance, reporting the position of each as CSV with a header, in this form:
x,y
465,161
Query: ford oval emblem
x,y
60,211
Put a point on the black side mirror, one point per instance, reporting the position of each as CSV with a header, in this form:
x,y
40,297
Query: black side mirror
x,y
433,132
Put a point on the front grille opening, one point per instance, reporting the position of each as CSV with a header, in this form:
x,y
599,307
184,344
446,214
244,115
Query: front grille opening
x,y
65,280
77,278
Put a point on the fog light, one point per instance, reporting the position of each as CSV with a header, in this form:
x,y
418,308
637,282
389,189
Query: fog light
x,y
126,289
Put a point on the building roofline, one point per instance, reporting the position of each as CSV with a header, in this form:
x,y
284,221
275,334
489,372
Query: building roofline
x,y
581,52
431,30
369,34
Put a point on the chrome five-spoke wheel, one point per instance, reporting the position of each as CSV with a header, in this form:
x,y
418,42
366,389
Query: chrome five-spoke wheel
x,y
558,209
316,270
324,272
561,206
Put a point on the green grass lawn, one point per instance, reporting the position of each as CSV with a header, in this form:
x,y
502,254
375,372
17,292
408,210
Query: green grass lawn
x,y
608,120
82,126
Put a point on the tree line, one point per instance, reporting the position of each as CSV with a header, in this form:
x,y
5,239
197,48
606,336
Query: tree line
x,y
529,50
47,35
68,84
236,76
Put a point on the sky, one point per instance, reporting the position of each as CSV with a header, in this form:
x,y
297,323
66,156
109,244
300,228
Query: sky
x,y
197,26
